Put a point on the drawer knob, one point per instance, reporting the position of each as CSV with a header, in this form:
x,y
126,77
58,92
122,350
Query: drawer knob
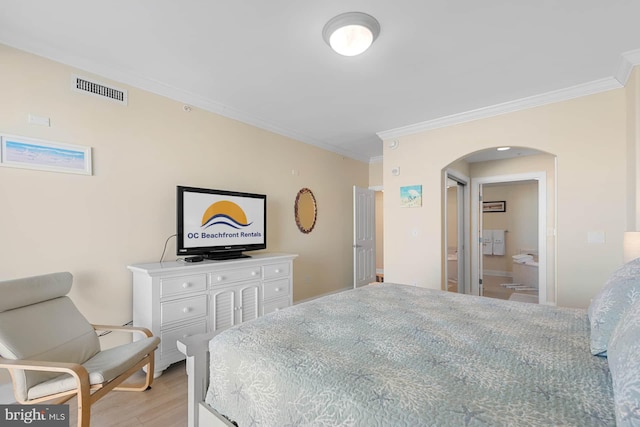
x,y
253,273
277,270
219,278
277,289
186,309
186,285
277,309
186,336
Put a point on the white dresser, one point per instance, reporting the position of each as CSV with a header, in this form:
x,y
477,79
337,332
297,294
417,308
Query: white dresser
x,y
177,299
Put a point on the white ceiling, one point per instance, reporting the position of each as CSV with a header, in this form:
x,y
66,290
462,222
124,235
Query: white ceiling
x,y
265,62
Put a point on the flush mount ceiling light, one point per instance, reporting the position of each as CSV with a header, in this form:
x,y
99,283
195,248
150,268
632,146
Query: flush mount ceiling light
x,y
351,33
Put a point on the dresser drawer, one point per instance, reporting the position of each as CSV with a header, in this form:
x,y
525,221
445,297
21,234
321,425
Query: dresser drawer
x,y
276,289
183,309
230,276
182,284
276,270
169,337
275,305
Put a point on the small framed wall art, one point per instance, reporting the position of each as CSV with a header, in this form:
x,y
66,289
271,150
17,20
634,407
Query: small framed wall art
x,y
411,196
30,153
499,206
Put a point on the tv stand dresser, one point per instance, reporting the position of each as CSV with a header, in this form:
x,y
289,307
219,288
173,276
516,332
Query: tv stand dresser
x,y
176,299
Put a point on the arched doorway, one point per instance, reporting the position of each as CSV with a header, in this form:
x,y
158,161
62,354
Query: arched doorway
x,y
516,236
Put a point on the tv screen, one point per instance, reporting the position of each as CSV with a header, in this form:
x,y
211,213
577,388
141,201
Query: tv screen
x,y
219,224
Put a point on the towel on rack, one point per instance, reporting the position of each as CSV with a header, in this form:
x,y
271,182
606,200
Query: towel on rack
x,y
487,242
498,242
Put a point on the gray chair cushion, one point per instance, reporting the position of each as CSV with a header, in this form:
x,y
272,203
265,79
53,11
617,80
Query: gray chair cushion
x,y
32,290
103,367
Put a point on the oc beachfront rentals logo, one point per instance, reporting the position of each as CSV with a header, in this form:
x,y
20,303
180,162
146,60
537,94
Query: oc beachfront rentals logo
x,y
225,213
223,223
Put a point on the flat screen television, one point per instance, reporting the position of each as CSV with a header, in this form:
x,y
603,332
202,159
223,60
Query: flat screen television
x,y
219,224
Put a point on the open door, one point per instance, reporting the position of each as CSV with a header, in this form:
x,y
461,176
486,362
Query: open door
x,y
478,271
481,241
364,237
457,223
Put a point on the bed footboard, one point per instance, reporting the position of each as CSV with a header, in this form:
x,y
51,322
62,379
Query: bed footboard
x,y
196,349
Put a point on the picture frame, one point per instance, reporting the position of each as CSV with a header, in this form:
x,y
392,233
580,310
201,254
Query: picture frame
x,y
31,153
494,206
411,196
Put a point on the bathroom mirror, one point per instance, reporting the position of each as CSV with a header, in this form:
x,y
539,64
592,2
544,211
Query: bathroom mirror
x,y
306,210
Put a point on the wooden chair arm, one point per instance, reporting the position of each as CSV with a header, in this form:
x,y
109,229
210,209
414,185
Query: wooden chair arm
x,y
131,329
74,369
77,371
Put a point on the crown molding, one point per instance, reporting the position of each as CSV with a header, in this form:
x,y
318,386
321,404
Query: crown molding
x,y
230,112
572,92
162,89
628,60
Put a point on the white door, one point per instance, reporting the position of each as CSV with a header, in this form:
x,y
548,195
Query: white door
x,y
364,237
249,296
476,217
481,242
223,303
462,238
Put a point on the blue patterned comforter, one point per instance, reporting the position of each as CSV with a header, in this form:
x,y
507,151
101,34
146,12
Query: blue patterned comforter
x,y
396,355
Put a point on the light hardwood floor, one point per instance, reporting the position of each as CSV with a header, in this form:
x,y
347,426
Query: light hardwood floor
x,y
493,288
165,405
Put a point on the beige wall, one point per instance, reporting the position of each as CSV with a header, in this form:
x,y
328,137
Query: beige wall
x,y
375,174
452,218
375,180
589,137
94,226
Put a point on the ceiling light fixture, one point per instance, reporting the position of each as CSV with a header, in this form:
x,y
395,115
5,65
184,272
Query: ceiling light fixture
x,y
351,33
503,148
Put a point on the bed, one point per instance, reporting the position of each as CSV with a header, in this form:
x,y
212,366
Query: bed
x,y
390,354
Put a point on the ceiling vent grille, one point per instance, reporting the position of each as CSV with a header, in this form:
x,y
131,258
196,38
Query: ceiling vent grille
x,y
92,87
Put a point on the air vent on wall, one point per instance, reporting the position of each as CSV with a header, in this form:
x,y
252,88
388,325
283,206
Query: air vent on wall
x,y
92,87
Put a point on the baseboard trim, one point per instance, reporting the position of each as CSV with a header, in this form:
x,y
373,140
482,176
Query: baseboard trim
x,y
322,295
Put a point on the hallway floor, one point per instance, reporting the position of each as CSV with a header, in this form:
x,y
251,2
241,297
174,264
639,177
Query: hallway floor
x,y
493,289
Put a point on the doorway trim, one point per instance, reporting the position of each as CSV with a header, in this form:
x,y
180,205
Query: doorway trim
x,y
466,253
476,249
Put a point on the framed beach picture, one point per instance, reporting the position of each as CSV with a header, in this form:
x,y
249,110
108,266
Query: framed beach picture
x,y
411,196
500,206
30,153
